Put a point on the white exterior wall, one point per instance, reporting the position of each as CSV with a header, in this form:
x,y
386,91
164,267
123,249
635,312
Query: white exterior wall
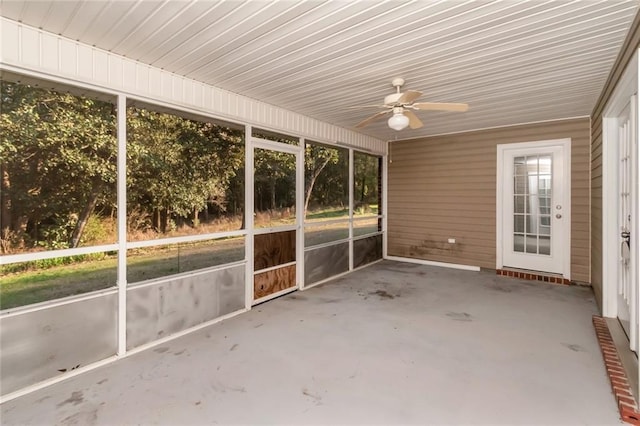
x,y
34,52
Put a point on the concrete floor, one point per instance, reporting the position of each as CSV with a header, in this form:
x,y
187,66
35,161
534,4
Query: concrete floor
x,y
394,343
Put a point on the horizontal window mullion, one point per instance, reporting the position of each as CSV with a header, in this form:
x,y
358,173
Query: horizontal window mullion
x,y
185,239
326,222
275,146
363,236
260,231
329,244
362,218
52,254
273,268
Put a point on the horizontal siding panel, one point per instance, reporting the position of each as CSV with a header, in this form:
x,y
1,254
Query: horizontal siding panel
x,y
478,235
400,215
445,187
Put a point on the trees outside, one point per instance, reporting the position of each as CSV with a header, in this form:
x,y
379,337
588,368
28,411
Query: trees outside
x,y
58,163
185,176
366,180
182,173
326,178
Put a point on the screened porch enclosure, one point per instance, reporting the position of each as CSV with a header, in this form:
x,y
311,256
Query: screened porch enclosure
x,y
125,222
201,199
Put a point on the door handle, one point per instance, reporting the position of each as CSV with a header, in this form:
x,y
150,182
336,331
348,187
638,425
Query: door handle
x,y
558,216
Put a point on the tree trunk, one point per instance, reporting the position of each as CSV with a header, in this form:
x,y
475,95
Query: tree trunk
x,y
84,218
5,202
312,182
273,194
156,219
164,220
5,213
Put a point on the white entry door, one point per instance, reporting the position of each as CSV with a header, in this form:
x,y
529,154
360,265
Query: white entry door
x,y
626,292
535,198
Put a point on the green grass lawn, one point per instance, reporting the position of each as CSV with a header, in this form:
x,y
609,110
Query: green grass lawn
x,y
54,282
27,287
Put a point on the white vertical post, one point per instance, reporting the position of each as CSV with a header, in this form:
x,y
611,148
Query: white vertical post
x,y
635,117
122,224
633,210
248,214
385,204
300,214
351,194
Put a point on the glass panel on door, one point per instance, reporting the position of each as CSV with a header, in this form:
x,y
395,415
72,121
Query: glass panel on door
x,y
274,188
532,204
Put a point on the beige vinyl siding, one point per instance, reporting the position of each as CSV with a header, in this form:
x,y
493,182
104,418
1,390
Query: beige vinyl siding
x,y
445,187
631,44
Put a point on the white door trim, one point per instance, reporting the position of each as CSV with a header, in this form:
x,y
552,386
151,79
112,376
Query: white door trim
x,y
565,231
622,94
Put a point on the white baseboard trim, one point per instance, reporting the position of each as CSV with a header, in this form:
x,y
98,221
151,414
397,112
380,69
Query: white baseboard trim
x,y
433,263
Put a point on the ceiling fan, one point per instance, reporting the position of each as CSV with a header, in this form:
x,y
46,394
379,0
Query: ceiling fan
x,y
401,104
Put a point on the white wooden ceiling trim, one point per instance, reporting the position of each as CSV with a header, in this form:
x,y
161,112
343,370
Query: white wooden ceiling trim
x,y
23,50
320,57
493,50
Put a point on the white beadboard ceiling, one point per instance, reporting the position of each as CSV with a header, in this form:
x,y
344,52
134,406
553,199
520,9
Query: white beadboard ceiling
x,y
512,61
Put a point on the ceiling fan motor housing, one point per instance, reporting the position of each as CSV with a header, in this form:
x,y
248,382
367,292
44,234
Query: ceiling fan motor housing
x,y
392,99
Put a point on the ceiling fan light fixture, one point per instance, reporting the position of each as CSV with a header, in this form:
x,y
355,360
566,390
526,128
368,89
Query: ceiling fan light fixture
x,y
398,121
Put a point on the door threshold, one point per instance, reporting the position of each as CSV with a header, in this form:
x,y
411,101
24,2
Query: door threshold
x,y
525,274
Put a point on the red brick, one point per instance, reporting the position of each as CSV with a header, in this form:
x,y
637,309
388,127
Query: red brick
x,y
619,382
631,417
618,376
626,401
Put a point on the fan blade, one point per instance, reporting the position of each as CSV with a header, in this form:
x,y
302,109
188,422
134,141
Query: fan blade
x,y
374,117
408,97
438,106
414,121
368,106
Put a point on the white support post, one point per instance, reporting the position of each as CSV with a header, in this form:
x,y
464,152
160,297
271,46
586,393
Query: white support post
x,y
351,194
248,215
300,214
634,282
635,226
385,204
122,224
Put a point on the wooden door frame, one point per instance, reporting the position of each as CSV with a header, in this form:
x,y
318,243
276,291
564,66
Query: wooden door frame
x,y
565,231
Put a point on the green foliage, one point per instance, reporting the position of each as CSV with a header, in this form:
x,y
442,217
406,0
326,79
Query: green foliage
x,y
365,180
326,177
180,167
58,153
58,172
275,180
58,163
41,264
